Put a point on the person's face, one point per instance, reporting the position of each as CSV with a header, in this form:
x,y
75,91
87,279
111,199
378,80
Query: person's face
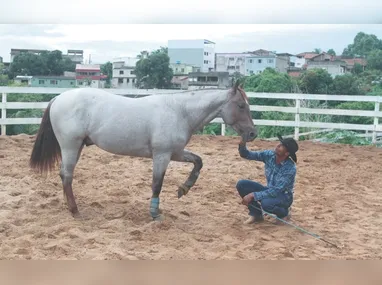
x,y
281,150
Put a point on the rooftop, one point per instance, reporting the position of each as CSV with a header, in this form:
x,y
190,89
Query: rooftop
x,y
88,66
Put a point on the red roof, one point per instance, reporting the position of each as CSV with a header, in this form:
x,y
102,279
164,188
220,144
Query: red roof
x,y
308,55
95,77
294,73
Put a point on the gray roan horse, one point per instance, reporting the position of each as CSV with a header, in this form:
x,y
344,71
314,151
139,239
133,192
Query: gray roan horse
x,y
155,126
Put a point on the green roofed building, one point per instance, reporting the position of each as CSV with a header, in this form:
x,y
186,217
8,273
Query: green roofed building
x,y
53,81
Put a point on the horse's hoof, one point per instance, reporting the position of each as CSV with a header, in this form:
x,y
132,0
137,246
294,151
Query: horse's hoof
x,y
182,190
77,215
158,218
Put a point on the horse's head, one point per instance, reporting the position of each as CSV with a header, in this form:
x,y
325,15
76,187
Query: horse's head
x,y
236,113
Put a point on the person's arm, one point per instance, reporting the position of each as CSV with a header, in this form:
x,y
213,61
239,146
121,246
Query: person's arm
x,y
272,192
253,155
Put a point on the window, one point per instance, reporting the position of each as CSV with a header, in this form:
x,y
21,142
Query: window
x,y
182,70
127,80
231,58
132,72
205,53
41,81
259,61
250,61
120,80
133,80
270,60
54,82
237,67
121,72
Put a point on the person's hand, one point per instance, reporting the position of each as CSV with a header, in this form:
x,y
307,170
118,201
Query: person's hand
x,y
248,199
242,142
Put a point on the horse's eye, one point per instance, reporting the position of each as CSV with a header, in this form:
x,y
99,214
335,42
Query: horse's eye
x,y
241,105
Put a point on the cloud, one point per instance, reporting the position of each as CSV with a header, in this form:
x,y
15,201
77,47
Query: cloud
x,y
105,42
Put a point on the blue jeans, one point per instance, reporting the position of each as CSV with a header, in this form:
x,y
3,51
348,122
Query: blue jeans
x,y
278,206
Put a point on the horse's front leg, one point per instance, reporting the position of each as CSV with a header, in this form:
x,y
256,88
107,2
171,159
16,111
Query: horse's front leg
x,y
188,156
160,164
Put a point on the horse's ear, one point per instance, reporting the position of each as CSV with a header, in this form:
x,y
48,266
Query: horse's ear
x,y
236,86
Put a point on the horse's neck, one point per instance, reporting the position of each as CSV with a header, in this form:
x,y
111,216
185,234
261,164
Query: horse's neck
x,y
202,107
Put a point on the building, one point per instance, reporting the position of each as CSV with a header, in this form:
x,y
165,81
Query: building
x,y
262,59
75,55
330,63
352,61
53,81
89,75
209,79
198,53
180,82
297,61
182,68
23,79
1,59
306,56
231,62
124,73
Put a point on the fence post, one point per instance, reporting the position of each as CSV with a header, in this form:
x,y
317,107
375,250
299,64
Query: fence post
x,y
297,120
375,125
4,114
223,129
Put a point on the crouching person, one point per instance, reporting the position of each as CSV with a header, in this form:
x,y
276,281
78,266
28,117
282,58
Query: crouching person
x,y
280,171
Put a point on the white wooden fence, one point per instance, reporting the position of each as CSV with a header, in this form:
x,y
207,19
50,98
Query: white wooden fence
x,y
296,109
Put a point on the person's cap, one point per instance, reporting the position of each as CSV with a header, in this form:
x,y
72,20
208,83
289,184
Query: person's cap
x,y
291,145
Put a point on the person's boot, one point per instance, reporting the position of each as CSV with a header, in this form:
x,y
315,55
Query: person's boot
x,y
253,219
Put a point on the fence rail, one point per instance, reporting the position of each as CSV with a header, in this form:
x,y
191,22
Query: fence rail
x,y
296,110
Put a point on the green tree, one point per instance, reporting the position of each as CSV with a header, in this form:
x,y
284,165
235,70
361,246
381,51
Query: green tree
x,y
331,52
107,69
374,59
28,64
317,50
346,84
269,81
154,71
315,81
47,63
357,69
362,45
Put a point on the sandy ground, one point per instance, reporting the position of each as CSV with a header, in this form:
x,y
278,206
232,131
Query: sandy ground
x,y
337,195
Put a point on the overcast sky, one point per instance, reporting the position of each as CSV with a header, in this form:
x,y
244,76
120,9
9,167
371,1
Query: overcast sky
x,y
105,42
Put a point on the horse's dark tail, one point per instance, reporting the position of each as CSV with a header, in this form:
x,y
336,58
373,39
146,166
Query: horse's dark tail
x,y
46,150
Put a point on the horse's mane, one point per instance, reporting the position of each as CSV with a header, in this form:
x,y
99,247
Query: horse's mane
x,y
242,92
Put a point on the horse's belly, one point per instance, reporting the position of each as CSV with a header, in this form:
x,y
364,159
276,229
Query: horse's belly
x,y
133,145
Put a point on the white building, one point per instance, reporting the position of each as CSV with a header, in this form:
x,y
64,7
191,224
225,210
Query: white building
x,y
231,62
123,73
199,53
297,61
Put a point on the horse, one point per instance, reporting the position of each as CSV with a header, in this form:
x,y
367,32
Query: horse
x,y
157,127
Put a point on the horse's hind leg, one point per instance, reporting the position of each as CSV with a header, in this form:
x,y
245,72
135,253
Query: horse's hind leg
x,y
188,156
70,155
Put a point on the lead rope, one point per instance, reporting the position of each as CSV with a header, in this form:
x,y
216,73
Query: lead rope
x,y
296,227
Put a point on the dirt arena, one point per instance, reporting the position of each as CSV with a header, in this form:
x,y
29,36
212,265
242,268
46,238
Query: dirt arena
x,y
337,195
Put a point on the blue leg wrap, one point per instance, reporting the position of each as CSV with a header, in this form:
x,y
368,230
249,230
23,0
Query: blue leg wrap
x,y
154,207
